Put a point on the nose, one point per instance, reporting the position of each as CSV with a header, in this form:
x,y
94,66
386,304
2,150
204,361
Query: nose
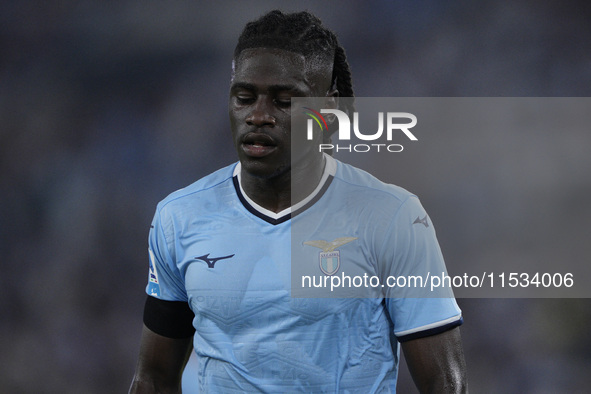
x,y
260,115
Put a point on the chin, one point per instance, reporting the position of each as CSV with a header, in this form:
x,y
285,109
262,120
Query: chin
x,y
263,170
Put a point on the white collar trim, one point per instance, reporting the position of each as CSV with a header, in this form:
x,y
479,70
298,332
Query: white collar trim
x,y
330,169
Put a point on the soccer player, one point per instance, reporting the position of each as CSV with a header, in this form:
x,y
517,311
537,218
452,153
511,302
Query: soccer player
x,y
221,250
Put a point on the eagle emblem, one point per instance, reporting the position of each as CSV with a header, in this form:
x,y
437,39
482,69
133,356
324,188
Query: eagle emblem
x,y
329,258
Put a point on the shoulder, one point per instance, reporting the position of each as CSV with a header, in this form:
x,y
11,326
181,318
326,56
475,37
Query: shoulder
x,y
203,191
363,185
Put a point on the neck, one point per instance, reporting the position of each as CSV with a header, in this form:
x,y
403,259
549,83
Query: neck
x,y
285,190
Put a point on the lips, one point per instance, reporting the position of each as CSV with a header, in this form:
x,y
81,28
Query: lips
x,y
258,144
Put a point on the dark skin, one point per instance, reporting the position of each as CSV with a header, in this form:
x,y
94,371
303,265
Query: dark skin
x,y
263,82
436,363
260,112
160,363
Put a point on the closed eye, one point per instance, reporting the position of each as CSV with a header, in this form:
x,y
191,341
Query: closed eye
x,y
282,102
244,99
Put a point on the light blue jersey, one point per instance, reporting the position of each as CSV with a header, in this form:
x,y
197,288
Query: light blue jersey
x,y
231,260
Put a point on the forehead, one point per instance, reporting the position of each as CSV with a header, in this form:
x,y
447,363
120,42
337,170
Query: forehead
x,y
271,66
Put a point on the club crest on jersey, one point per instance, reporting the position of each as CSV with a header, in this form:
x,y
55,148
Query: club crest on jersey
x,y
329,258
330,262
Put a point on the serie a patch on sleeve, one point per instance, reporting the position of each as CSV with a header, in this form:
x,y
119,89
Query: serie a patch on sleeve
x,y
153,285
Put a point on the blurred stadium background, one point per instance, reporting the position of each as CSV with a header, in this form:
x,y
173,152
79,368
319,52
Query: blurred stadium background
x,y
106,107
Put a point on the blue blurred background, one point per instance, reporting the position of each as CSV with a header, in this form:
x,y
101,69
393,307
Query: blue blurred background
x,y
108,106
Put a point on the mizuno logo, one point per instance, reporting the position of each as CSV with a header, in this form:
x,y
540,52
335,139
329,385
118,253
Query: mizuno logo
x,y
211,261
330,246
422,221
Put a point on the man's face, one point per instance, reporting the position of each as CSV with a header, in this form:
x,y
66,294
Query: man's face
x,y
260,110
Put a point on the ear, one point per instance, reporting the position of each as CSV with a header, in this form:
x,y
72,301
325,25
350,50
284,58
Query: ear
x,y
331,101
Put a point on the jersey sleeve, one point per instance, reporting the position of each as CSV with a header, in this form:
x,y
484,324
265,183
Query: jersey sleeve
x,y
410,257
165,281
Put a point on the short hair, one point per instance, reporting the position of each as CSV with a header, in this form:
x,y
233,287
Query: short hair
x,y
302,33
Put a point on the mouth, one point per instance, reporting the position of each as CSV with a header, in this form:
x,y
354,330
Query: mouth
x,y
258,145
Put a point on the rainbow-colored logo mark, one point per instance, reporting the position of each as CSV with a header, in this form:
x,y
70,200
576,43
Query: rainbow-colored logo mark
x,y
317,117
